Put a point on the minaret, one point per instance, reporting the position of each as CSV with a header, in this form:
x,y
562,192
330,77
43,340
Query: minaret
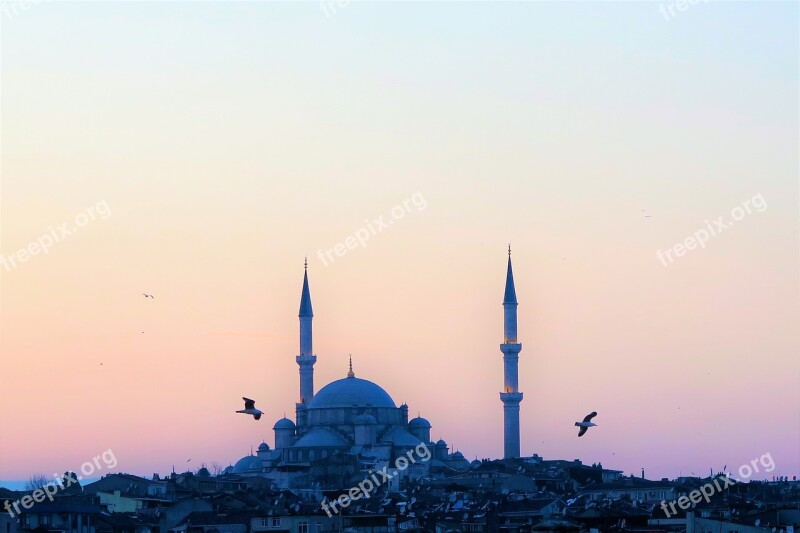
x,y
511,397
306,359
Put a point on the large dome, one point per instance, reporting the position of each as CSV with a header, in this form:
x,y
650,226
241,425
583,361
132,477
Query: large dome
x,y
248,462
351,392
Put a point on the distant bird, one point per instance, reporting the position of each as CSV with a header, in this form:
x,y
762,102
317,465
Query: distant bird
x,y
148,296
586,424
250,408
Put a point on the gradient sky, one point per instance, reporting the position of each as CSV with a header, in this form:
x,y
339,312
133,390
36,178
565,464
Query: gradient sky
x,y
228,140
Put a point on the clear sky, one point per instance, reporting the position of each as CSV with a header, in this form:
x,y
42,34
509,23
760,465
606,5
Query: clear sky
x,y
197,151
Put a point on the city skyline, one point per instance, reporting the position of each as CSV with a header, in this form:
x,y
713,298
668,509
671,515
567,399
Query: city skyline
x,y
643,168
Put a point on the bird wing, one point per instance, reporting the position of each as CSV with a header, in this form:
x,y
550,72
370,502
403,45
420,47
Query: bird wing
x,y
257,416
590,416
582,431
248,403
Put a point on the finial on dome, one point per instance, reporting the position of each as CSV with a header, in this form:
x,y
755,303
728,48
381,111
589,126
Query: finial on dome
x,y
350,373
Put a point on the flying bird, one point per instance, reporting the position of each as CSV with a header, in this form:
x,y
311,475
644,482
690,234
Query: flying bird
x,y
250,408
586,424
148,296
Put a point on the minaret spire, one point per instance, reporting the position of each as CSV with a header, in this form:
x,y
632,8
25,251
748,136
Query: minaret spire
x,y
350,374
511,397
305,298
306,359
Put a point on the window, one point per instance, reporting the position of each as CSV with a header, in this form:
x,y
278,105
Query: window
x,y
302,527
319,527
276,522
263,522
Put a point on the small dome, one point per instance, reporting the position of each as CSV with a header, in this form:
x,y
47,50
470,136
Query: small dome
x,y
244,464
365,420
475,463
457,455
320,437
401,437
203,472
283,423
263,447
349,392
440,442
419,422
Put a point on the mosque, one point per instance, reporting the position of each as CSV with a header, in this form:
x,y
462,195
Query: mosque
x,y
353,424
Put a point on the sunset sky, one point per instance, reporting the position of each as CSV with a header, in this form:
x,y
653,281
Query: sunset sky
x,y
198,151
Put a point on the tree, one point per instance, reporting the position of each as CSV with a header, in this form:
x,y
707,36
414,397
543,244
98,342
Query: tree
x,y
36,481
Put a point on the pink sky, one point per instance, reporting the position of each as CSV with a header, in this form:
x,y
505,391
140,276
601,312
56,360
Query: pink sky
x,y
226,149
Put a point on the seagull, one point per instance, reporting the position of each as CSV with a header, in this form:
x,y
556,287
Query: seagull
x,y
148,296
586,424
250,408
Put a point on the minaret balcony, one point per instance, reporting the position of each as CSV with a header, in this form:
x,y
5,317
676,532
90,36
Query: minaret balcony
x,y
306,359
511,398
511,347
